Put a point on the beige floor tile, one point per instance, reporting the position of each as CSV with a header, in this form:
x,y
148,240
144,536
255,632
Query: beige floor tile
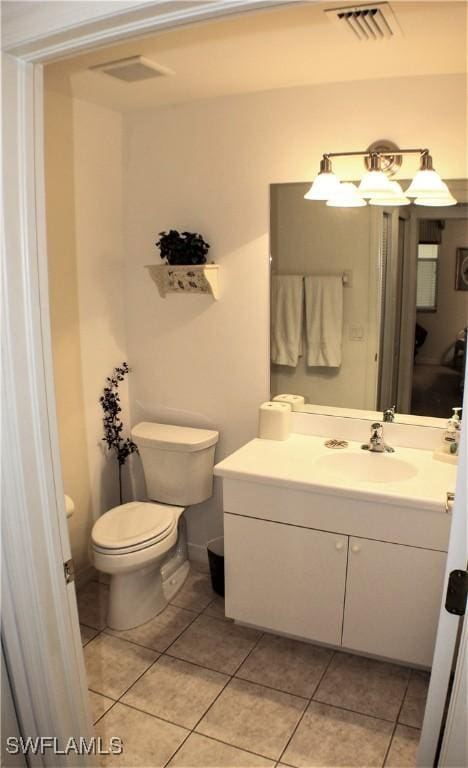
x,y
404,748
219,645
161,631
216,609
147,741
364,685
328,736
99,704
92,604
252,717
176,691
195,565
87,633
196,593
412,711
112,665
201,752
286,664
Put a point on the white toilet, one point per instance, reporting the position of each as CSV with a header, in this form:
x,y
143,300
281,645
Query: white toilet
x,y
142,545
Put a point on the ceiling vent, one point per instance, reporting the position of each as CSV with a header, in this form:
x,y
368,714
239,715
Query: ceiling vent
x,y
375,21
133,69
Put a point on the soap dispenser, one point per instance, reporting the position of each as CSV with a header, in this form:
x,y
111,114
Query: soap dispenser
x,y
451,439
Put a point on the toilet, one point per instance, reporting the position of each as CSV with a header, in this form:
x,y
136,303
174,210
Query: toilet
x,y
142,545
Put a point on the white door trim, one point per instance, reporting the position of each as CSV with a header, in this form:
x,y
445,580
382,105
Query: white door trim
x,y
448,625
142,19
40,630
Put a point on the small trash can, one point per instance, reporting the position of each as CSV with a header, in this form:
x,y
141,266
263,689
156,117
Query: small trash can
x,y
216,560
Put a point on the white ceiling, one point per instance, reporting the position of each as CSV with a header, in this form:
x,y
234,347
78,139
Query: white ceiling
x,y
277,48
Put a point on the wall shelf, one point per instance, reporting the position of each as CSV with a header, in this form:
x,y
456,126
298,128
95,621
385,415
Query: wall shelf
x,y
202,278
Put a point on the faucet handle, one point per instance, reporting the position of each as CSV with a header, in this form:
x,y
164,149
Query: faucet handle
x,y
377,429
389,414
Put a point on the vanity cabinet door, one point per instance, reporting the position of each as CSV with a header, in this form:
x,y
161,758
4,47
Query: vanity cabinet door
x,y
285,578
393,597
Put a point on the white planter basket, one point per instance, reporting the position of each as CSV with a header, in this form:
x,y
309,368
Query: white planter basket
x,y
185,278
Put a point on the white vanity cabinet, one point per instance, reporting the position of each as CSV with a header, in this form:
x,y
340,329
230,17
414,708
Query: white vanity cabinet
x,y
285,578
393,595
357,574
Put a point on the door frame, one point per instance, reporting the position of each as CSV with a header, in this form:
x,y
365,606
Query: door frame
x,y
40,628
40,631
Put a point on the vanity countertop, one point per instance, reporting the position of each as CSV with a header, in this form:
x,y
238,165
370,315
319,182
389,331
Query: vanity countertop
x,y
408,476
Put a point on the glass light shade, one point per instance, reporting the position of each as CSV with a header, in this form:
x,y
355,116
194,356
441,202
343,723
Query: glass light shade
x,y
440,198
396,198
374,184
324,186
443,200
426,183
346,196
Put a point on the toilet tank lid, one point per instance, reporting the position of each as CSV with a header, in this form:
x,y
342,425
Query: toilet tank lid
x,y
172,438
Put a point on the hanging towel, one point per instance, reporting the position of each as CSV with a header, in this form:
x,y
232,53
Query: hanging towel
x,y
324,320
287,298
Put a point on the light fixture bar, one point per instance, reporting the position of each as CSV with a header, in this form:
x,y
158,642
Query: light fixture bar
x,y
366,152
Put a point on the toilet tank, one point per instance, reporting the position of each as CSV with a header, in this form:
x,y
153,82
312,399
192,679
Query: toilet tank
x,y
177,461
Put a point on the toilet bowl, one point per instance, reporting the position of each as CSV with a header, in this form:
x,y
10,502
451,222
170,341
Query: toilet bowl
x,y
130,542
142,544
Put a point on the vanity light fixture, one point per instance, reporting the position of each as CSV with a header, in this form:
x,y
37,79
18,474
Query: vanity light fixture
x,y
325,184
346,196
381,159
396,196
374,183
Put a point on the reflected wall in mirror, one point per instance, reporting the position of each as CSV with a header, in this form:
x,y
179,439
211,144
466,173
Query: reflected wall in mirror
x,y
377,284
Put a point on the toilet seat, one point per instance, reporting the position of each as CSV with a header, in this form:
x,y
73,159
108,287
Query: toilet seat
x,y
134,526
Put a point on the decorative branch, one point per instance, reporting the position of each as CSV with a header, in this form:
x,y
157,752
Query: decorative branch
x,y
113,425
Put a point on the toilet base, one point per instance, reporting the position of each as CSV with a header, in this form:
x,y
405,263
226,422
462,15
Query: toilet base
x,y
139,596
174,582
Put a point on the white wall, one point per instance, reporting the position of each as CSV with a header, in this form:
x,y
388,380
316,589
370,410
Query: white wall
x,y
310,238
207,166
65,318
98,162
85,250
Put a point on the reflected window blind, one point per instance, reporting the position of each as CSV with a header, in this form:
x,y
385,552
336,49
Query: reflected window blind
x,y
426,293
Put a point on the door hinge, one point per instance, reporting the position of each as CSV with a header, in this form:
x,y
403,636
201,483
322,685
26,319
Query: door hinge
x,y
457,589
69,570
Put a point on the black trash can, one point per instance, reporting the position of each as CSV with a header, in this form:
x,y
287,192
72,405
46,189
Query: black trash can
x,y
216,560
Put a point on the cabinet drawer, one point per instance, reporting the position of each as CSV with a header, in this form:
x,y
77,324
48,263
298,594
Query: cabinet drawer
x,y
285,578
393,597
337,513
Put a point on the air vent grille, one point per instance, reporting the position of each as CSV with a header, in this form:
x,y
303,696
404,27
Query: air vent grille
x,y
132,69
367,22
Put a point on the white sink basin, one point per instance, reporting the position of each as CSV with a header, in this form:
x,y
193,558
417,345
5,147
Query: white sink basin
x,y
366,467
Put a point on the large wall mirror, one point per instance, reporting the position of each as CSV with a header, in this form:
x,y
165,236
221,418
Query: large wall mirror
x,y
387,291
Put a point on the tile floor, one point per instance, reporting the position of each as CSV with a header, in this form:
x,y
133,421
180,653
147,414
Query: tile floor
x,y
190,689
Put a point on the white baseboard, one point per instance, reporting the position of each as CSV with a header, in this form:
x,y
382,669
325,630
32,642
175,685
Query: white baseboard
x,y
198,553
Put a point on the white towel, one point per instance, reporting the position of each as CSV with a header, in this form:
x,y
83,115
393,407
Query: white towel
x,y
324,320
287,299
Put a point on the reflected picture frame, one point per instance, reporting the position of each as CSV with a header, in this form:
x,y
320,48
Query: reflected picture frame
x,y
461,270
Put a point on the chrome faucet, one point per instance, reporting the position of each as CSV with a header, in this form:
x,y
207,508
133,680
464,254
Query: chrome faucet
x,y
389,414
376,442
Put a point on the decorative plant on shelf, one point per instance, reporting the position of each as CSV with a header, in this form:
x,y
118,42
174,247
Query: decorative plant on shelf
x,y
113,425
179,248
